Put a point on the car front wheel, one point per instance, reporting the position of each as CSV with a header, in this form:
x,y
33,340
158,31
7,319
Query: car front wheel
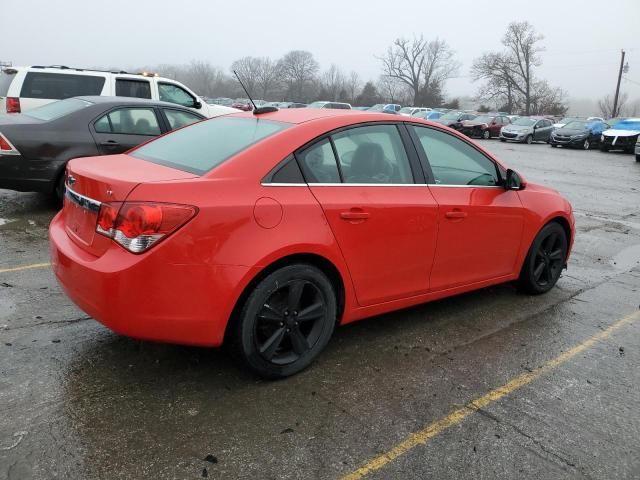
x,y
529,140
545,260
586,145
286,321
486,134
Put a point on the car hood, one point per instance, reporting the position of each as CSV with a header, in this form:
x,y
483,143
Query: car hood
x,y
613,132
558,125
570,131
472,123
516,128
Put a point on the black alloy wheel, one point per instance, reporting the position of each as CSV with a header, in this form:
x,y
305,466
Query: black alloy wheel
x,y
486,134
545,260
287,321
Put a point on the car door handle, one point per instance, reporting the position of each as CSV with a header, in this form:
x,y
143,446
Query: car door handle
x,y
354,215
110,143
455,214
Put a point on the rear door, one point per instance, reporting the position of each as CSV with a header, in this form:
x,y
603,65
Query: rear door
x,y
378,206
124,128
479,222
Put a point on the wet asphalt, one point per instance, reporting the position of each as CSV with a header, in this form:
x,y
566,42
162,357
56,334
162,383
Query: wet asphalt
x,y
79,402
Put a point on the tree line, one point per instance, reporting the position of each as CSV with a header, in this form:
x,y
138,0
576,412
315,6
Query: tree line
x,y
414,71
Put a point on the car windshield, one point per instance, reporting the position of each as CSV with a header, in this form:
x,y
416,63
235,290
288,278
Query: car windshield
x,y
576,125
483,119
54,110
406,109
205,145
316,105
525,122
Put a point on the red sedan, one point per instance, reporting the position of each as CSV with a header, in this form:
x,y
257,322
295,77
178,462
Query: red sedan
x,y
267,231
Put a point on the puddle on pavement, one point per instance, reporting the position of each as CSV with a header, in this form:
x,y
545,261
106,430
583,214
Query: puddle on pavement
x,y
627,258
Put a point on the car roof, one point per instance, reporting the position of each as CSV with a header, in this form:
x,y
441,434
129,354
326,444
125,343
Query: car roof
x,y
303,115
102,100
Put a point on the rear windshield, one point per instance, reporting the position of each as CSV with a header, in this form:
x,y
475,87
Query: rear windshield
x,y
5,82
59,86
54,110
205,145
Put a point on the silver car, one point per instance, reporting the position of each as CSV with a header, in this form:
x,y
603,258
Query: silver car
x,y
527,130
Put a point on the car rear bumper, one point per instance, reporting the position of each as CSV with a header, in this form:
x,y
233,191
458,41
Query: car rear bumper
x,y
148,296
23,175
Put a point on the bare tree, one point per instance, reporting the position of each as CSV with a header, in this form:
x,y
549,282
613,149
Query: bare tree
x,y
496,70
298,70
606,105
248,68
439,64
522,43
391,89
268,77
404,62
546,100
352,86
332,83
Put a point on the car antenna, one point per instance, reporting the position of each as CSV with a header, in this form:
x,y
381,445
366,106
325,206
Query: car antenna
x,y
256,110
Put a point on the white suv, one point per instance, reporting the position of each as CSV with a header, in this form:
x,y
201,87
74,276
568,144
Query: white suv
x,y
24,88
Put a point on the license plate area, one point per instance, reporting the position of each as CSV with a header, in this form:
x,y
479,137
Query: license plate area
x,y
81,214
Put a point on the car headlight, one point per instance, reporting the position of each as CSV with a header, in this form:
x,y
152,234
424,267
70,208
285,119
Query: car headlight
x,y
602,138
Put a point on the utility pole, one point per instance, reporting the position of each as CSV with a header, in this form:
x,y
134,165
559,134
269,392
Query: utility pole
x,y
614,112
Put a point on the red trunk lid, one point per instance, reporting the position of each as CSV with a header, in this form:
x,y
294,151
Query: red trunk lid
x,y
94,180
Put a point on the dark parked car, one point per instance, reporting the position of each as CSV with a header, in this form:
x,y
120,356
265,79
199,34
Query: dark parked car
x,y
242,104
578,133
484,126
430,115
35,146
455,119
527,130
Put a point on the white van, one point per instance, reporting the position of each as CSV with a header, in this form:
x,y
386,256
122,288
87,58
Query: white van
x,y
24,88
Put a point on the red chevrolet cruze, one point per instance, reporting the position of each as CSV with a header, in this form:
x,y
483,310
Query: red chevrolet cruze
x,y
268,230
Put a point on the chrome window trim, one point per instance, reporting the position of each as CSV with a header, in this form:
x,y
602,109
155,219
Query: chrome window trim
x,y
276,184
376,185
82,201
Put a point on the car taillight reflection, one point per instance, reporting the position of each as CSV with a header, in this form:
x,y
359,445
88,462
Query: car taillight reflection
x,y
137,226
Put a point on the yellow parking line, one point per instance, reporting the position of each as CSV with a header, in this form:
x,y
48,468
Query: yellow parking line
x,y
24,267
458,415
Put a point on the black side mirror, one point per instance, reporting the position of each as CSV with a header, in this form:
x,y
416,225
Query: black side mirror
x,y
197,104
513,181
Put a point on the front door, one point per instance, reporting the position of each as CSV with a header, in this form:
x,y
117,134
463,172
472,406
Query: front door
x,y
384,222
124,128
479,222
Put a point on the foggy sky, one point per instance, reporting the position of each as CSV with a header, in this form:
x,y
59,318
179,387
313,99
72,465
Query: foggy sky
x,y
582,38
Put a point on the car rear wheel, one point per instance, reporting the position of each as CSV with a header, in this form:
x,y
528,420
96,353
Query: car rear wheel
x,y
503,139
603,148
586,145
553,145
486,134
529,139
286,321
545,260
637,158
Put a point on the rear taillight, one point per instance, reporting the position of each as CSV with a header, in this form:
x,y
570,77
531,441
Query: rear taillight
x,y
137,226
6,148
13,105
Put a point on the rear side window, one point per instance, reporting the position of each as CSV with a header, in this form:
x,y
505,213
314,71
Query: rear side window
x,y
178,118
319,163
59,86
130,121
205,145
5,82
133,88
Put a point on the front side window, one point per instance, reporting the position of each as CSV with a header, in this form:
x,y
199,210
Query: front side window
x,y
59,86
372,154
455,162
133,88
174,94
178,118
130,121
319,163
205,145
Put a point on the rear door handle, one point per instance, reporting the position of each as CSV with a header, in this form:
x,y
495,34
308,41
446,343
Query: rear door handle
x,y
455,214
354,215
110,143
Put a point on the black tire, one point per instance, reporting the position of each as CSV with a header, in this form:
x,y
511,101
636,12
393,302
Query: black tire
x,y
545,260
503,139
603,148
273,335
553,145
529,139
59,189
486,134
637,158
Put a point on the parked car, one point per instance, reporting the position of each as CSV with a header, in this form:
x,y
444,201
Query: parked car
x,y
454,119
612,122
513,118
484,126
431,115
561,123
243,104
386,108
409,111
599,119
333,105
637,150
36,145
224,101
360,108
622,137
527,130
578,133
24,88
226,207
